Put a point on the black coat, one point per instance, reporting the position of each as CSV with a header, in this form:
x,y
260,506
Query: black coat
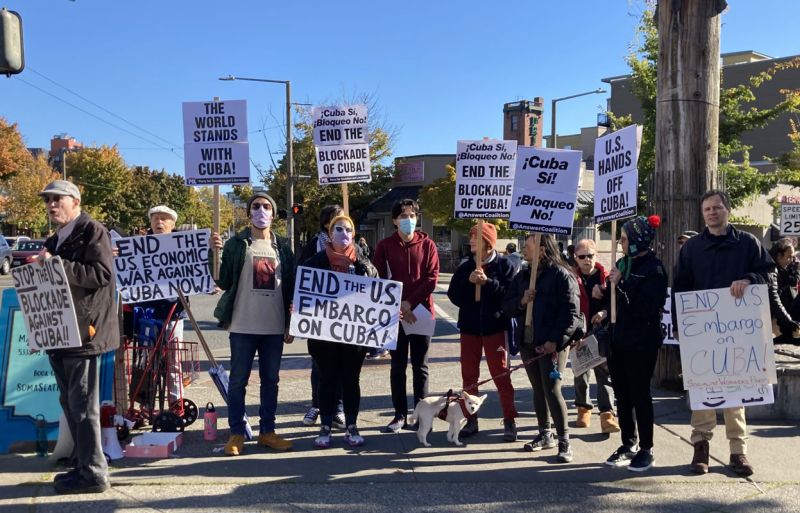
x,y
556,309
88,264
640,305
486,317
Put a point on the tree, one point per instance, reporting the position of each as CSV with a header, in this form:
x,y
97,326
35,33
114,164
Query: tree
x,y
105,181
24,207
14,155
148,189
199,208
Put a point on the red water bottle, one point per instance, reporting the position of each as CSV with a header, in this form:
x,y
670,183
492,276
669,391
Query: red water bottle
x,y
210,423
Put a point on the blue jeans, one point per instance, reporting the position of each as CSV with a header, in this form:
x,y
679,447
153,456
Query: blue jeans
x,y
243,351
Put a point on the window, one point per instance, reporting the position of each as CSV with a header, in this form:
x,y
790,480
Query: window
x,y
514,123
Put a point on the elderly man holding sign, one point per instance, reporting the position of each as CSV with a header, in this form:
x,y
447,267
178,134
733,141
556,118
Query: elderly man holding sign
x,y
85,249
720,257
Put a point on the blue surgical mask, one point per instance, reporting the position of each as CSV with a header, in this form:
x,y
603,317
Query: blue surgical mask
x,y
407,225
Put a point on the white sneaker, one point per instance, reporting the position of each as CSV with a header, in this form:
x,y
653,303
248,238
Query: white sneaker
x,y
323,440
352,437
311,416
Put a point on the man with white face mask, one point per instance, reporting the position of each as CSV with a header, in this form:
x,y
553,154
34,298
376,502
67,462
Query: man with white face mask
x,y
257,275
410,257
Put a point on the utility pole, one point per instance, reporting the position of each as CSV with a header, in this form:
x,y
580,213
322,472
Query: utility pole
x,y
687,130
290,177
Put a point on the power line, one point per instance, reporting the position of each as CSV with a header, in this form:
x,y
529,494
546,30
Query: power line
x,y
171,150
87,100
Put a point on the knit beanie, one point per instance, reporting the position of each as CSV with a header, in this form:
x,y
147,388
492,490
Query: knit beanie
x,y
489,234
641,231
264,195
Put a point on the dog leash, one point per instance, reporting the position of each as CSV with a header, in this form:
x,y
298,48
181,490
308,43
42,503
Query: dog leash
x,y
508,372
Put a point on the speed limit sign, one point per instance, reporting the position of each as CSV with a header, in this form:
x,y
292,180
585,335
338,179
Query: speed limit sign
x,y
790,219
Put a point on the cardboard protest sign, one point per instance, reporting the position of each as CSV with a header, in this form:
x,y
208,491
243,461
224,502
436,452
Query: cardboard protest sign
x,y
340,124
725,341
157,266
347,163
346,308
666,319
215,146
790,218
586,357
484,178
711,398
545,190
616,176
46,303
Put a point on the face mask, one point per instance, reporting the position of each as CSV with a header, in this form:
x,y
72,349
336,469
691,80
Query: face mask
x,y
261,218
407,225
341,237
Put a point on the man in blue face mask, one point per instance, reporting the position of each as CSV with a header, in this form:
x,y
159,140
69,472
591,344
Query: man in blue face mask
x,y
408,256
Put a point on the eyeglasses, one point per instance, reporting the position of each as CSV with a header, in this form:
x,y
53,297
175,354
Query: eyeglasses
x,y
256,206
49,199
582,257
341,229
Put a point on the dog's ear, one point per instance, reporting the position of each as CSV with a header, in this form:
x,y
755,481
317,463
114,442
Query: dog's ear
x,y
482,398
464,394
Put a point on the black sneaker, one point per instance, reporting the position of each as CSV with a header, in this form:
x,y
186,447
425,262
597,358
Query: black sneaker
x,y
622,457
470,429
70,474
509,431
564,452
541,441
395,425
644,460
79,485
339,421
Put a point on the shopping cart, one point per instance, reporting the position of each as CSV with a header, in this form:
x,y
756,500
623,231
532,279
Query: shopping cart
x,y
158,367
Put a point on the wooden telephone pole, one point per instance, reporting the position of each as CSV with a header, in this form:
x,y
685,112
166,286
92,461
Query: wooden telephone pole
x,y
687,131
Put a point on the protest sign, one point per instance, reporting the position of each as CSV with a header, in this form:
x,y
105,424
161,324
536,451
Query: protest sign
x,y
790,219
46,302
347,163
340,124
484,178
346,308
215,146
157,266
545,190
586,357
666,319
711,398
725,340
409,172
616,175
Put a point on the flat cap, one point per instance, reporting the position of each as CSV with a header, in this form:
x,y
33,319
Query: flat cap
x,y
163,209
61,188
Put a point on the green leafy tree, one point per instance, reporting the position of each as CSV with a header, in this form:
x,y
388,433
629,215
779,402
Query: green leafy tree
x,y
105,180
24,207
150,188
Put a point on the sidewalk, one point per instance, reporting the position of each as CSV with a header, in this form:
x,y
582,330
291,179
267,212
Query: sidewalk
x,y
393,472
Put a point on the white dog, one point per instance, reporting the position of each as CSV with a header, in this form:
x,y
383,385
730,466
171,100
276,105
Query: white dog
x,y
458,407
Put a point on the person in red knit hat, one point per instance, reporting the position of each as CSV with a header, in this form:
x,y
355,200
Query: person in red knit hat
x,y
641,282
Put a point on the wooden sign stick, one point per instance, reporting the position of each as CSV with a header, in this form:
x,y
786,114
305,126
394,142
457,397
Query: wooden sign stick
x,y
537,240
479,257
345,199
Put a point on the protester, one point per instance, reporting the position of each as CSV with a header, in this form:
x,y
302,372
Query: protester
x,y
592,282
556,320
483,325
783,291
257,275
721,256
641,282
85,249
318,243
514,258
571,255
339,364
683,237
162,220
365,249
410,257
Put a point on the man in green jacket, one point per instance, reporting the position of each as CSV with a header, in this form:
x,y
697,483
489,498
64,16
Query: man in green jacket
x,y
257,274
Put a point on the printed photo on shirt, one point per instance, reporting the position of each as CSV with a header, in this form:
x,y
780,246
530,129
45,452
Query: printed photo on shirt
x,y
264,273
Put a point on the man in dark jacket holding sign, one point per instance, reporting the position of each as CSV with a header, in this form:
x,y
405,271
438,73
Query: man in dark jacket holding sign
x,y
720,257
85,249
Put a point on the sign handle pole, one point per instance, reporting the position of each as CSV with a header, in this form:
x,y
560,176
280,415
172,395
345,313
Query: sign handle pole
x,y
345,200
537,240
215,271
209,354
478,257
613,262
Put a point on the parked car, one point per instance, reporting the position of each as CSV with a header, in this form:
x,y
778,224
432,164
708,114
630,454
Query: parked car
x,y
5,256
26,252
13,241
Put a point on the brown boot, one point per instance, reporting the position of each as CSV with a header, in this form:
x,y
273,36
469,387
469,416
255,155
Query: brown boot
x,y
584,417
608,422
700,460
740,465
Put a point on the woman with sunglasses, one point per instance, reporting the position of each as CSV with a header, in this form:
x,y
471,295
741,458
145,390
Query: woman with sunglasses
x,y
339,364
556,320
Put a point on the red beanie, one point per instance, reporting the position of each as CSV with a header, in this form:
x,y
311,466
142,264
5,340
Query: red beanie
x,y
489,234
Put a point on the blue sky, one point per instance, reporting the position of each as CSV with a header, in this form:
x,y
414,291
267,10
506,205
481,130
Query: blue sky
x,y
440,70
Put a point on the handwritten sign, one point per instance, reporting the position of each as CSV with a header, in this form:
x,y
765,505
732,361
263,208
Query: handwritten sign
x,y
346,308
545,190
47,307
725,341
586,357
616,177
484,178
158,266
341,138
711,398
215,145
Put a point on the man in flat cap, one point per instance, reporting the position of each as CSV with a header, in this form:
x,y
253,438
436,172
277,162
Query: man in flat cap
x,y
85,248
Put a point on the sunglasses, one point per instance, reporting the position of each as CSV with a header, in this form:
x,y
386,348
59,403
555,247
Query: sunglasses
x,y
256,206
341,229
582,257
49,199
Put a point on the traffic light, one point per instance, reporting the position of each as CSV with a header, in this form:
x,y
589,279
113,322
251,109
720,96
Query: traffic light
x,y
281,213
297,209
12,54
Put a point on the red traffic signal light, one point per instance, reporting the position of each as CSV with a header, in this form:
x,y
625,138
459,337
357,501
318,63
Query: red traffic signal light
x,y
297,209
